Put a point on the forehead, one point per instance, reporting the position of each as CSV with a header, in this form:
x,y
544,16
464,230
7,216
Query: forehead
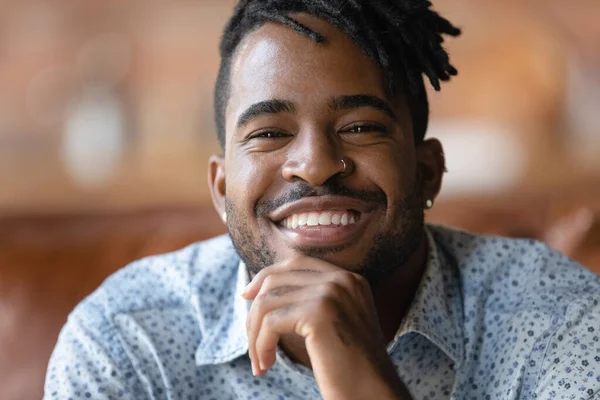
x,y
275,61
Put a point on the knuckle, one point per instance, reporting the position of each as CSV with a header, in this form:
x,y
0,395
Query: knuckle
x,y
331,290
356,282
361,281
271,319
269,282
346,278
261,304
287,264
282,291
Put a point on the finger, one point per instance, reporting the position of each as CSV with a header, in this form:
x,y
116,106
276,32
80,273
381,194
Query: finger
x,y
353,283
255,284
278,284
274,280
276,304
300,263
302,319
276,323
265,303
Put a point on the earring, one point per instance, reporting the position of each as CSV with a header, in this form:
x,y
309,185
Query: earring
x,y
429,204
224,217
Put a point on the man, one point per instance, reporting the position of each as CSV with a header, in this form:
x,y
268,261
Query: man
x,y
330,285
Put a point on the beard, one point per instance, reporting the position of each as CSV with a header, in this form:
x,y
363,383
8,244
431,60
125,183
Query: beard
x,y
389,250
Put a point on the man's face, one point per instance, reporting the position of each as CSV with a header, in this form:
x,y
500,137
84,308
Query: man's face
x,y
296,109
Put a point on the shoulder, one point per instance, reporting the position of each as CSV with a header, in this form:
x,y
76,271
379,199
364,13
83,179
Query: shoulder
x,y
517,267
161,281
129,316
538,308
176,284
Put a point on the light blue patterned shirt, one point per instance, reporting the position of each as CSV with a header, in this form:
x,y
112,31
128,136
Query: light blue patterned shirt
x,y
493,318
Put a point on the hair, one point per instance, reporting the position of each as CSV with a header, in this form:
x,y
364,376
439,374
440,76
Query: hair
x,y
404,37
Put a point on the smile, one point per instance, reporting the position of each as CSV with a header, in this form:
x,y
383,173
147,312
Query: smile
x,y
323,229
322,218
322,221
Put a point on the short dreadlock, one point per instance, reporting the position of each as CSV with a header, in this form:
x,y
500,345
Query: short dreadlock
x,y
404,37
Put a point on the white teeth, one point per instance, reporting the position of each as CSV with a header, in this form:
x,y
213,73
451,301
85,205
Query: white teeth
x,y
325,219
302,219
344,220
319,218
313,219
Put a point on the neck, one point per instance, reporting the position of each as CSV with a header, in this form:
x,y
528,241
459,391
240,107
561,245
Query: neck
x,y
395,294
392,301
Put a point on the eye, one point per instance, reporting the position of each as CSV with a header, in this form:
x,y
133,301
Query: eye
x,y
365,128
365,133
269,135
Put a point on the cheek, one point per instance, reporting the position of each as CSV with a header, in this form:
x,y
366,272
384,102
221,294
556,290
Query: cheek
x,y
391,169
248,179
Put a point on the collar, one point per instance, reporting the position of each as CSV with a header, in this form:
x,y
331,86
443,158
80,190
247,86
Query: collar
x,y
224,337
437,308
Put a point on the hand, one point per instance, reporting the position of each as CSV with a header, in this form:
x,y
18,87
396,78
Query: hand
x,y
333,311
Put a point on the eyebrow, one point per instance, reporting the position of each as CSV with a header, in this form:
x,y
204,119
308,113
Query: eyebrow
x,y
265,108
362,100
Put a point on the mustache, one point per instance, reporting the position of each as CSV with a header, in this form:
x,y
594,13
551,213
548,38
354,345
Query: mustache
x,y
303,189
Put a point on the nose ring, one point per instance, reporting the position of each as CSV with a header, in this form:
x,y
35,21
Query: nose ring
x,y
345,166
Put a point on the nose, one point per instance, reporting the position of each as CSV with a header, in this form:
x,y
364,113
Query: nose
x,y
315,157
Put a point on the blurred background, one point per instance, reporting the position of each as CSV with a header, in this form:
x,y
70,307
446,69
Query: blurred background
x,y
106,126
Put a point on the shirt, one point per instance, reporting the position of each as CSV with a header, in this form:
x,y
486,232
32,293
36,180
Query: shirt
x,y
493,318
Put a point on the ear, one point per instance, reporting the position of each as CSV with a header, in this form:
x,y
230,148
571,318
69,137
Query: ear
x,y
216,183
431,166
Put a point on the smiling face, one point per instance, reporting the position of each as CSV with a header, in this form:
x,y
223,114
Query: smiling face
x,y
318,160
